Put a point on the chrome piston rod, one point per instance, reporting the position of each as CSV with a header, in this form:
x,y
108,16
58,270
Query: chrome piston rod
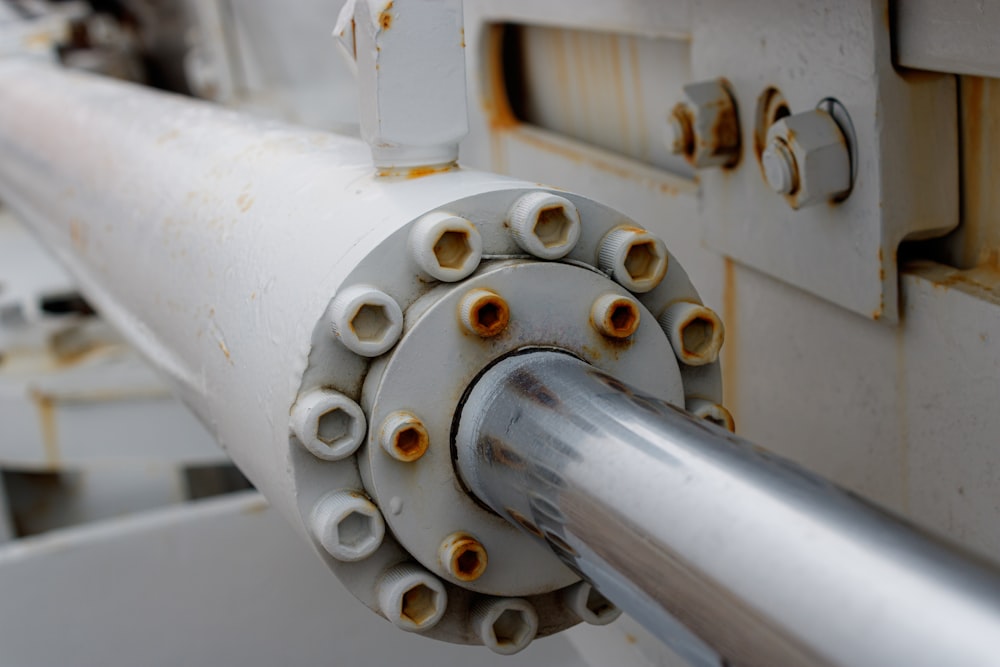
x,y
722,550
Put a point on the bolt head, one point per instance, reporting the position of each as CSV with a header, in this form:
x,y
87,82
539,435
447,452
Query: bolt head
x,y
545,225
819,155
505,625
330,425
704,125
446,247
636,259
366,320
348,525
411,598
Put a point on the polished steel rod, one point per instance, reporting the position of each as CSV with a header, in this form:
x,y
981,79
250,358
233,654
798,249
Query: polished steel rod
x,y
726,552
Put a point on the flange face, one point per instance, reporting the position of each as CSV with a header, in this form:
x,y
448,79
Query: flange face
x,y
433,364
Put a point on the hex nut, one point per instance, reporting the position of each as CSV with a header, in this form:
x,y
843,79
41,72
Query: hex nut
x,y
411,598
704,126
348,525
636,259
711,411
615,316
806,159
483,312
695,332
446,247
328,424
463,556
403,436
366,320
545,225
505,625
586,602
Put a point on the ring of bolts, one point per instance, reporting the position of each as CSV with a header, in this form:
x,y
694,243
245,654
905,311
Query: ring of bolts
x,y
369,322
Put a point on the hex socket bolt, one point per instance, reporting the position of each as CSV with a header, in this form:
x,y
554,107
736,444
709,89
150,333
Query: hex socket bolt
x,y
330,425
615,315
636,259
463,556
695,332
505,625
711,411
483,312
366,320
587,602
411,597
446,247
545,225
348,525
403,436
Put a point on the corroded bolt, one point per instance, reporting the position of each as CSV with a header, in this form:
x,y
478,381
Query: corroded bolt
x,y
505,625
806,158
710,411
704,127
403,436
615,316
636,259
545,225
463,556
695,332
411,598
483,312
348,525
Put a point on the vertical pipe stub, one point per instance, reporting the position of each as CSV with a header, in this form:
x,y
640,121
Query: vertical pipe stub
x,y
330,425
695,332
636,259
411,598
366,320
446,247
348,525
545,225
505,625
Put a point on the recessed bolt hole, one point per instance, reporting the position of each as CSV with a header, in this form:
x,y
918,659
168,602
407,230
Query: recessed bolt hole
x,y
598,604
409,441
641,260
484,313
463,556
468,563
511,628
623,318
371,323
452,249
553,226
697,335
354,530
333,426
419,604
488,315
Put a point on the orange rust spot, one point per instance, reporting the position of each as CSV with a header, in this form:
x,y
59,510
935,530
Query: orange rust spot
x,y
496,104
410,442
463,37
385,18
46,406
78,234
525,523
465,557
168,136
225,351
416,172
631,639
244,202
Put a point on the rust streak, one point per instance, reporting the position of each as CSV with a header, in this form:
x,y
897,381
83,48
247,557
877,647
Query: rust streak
x,y
46,407
385,17
730,316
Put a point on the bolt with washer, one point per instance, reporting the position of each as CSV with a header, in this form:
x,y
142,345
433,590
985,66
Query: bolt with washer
x,y
806,159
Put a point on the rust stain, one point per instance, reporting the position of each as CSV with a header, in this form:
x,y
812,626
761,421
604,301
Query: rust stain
x,y
78,234
167,137
496,103
385,17
258,506
463,36
225,351
244,202
730,317
631,639
979,234
637,87
417,172
46,407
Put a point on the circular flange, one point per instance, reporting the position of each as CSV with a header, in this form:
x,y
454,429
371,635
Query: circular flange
x,y
434,362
